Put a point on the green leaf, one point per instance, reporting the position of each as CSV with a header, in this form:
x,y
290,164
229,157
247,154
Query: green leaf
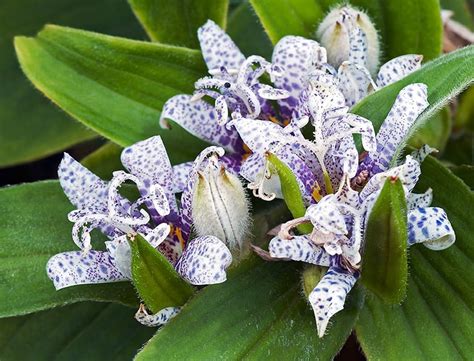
x,y
435,132
246,31
259,313
288,17
405,26
34,228
115,86
445,77
465,111
176,22
466,173
85,331
30,126
436,321
155,279
385,269
291,191
104,161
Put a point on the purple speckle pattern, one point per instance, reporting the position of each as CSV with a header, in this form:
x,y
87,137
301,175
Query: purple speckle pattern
x,y
398,68
431,227
204,261
299,248
410,103
76,268
158,319
329,295
326,216
217,47
298,57
83,188
199,118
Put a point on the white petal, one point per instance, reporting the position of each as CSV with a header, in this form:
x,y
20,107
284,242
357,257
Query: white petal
x,y
398,68
158,319
299,248
431,227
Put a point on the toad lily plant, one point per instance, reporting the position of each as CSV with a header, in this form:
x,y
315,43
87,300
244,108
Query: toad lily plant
x,y
298,66
166,226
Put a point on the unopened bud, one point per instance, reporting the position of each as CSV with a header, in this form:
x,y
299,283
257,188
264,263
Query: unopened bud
x,y
220,206
334,34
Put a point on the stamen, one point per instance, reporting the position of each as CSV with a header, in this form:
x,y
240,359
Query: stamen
x,y
288,226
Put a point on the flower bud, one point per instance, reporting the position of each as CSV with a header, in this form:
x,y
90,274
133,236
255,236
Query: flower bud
x,y
334,32
220,206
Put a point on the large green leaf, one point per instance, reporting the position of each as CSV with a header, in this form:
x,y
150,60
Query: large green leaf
x,y
34,227
155,279
445,77
30,126
259,313
435,131
466,173
385,267
288,17
176,22
115,86
85,331
436,321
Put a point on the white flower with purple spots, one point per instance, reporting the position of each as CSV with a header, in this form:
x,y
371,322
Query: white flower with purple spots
x,y
339,220
200,261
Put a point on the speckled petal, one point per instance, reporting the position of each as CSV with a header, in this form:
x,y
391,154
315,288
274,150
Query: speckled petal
x,y
431,227
180,176
297,56
358,47
398,68
76,268
409,173
299,248
158,319
354,82
329,296
158,234
200,119
410,103
83,188
259,134
217,47
326,217
420,200
204,261
120,254
149,162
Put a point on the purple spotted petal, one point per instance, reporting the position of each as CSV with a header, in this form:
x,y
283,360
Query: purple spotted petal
x,y
410,103
299,248
217,47
158,319
354,82
83,188
180,176
204,261
259,134
420,200
408,173
326,217
431,227
200,119
358,47
120,255
76,268
297,57
398,68
329,295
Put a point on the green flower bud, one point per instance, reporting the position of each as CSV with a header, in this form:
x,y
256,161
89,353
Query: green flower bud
x,y
220,207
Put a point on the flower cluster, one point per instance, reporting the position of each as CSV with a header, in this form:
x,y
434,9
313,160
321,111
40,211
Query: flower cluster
x,y
250,108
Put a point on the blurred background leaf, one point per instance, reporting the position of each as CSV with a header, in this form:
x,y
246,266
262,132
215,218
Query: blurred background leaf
x,y
85,331
176,22
30,126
